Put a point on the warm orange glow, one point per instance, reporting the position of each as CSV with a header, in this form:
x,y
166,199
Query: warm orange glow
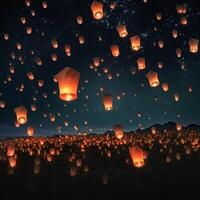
x,y
30,131
141,63
21,114
97,9
68,80
122,30
118,129
135,42
194,45
153,78
115,50
108,102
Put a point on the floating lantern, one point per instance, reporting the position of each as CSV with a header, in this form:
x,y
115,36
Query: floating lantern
x,y
115,50
165,87
21,114
30,131
118,129
135,42
108,101
122,31
153,78
97,10
141,63
68,80
194,45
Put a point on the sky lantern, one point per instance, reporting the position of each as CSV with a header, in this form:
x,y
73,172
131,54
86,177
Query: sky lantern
x,y
81,39
96,61
23,20
2,104
54,44
97,10
176,97
194,45
30,75
79,19
108,101
138,156
118,130
181,9
178,52
160,44
30,131
174,33
54,57
115,50
68,49
184,21
21,114
141,63
44,4
68,80
40,83
6,36
153,130
121,29
29,30
33,107
165,87
158,16
135,42
178,126
28,3
12,161
10,150
153,78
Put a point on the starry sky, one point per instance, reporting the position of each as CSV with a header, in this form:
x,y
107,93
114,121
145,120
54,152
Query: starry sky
x,y
135,103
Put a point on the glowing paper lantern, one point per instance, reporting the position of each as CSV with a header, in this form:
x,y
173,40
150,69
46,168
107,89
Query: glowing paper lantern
x,y
194,45
178,126
30,131
97,9
21,114
108,101
153,79
118,129
122,31
68,80
115,50
135,42
10,150
137,155
79,19
141,63
165,87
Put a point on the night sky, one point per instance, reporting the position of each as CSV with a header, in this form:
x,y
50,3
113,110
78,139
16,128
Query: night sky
x,y
135,103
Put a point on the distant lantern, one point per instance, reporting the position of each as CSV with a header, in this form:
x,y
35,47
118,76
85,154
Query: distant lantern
x,y
165,87
181,9
29,30
122,31
153,130
6,36
68,49
153,79
158,16
79,19
115,50
174,33
108,101
97,9
28,3
138,156
141,63
68,80
81,39
2,104
54,43
176,97
23,20
178,52
135,42
194,45
118,130
30,75
10,150
21,114
184,20
160,44
44,4
96,61
54,57
178,126
40,83
12,162
30,131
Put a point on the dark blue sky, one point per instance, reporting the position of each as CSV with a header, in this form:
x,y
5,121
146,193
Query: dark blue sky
x,y
59,21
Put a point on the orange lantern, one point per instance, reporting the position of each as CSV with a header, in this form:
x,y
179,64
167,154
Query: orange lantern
x,y
141,63
10,150
108,101
194,45
165,87
153,79
175,33
122,30
135,42
79,19
97,9
21,114
54,43
68,80
178,126
68,49
115,50
138,156
118,129
12,161
30,131
81,39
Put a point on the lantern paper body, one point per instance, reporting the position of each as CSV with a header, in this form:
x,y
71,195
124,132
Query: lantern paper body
x,y
68,80
137,155
135,42
97,9
141,63
115,50
194,45
21,114
153,78
118,129
122,31
30,131
108,102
